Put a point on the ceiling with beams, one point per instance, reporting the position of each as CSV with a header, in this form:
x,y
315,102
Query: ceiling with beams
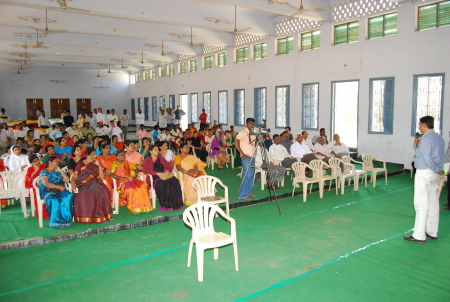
x,y
99,34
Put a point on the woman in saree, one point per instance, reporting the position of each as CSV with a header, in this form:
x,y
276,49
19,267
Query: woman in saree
x,y
92,198
72,163
52,189
131,155
229,141
145,150
32,173
191,167
106,160
166,185
166,152
218,150
132,191
115,144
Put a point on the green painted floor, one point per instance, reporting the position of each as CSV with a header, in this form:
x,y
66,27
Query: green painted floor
x,y
339,248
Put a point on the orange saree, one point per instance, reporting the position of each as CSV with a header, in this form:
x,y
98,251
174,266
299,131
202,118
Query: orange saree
x,y
106,163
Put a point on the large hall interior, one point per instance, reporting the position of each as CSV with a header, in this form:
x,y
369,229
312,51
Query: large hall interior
x,y
366,70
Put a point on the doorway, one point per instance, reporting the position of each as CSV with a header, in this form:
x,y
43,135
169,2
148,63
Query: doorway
x,y
57,106
84,104
184,104
32,107
345,112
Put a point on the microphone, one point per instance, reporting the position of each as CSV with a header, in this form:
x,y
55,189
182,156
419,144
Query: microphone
x,y
417,137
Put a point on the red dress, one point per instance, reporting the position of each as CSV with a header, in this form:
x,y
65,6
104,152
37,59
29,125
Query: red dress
x,y
29,185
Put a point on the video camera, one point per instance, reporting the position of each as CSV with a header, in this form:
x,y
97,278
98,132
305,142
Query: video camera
x,y
260,129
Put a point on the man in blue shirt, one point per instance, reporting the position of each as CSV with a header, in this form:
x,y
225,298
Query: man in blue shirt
x,y
58,132
428,162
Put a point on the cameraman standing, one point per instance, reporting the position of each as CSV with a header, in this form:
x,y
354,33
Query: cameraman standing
x,y
245,144
428,162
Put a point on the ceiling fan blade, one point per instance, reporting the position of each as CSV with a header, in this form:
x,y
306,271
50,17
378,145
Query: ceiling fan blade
x,y
62,3
292,6
70,9
241,30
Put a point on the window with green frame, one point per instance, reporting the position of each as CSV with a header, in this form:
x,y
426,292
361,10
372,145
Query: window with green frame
x,y
183,67
171,70
153,74
346,33
222,59
138,77
382,26
434,15
132,79
208,62
193,65
162,72
285,45
146,75
260,51
242,55
311,40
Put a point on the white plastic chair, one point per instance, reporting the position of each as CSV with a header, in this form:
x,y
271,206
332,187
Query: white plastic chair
x,y
320,166
34,194
179,176
259,169
349,160
349,172
13,186
368,166
205,187
200,217
116,197
230,157
443,178
152,191
299,170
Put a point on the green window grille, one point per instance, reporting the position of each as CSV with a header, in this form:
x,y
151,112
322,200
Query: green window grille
x,y
193,65
208,62
146,75
162,72
260,51
285,45
153,74
138,77
311,40
241,55
183,67
171,70
434,15
381,26
222,59
346,33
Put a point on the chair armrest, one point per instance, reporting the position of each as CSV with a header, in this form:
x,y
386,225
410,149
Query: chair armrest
x,y
384,162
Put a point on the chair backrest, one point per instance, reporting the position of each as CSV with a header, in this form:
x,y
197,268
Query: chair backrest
x,y
348,166
205,185
367,161
11,180
200,217
36,188
299,169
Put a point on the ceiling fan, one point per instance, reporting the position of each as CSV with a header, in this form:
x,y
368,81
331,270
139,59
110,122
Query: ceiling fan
x,y
123,67
98,74
236,31
192,45
162,50
109,69
301,9
19,68
64,7
46,30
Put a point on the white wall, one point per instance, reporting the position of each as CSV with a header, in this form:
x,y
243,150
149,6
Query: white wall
x,y
401,56
15,89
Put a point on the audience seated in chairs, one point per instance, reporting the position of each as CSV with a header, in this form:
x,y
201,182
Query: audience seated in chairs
x,y
32,173
338,148
218,150
165,152
279,154
321,150
198,145
145,150
166,185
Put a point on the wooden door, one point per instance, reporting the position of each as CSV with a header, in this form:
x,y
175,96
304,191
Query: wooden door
x,y
84,104
32,106
57,106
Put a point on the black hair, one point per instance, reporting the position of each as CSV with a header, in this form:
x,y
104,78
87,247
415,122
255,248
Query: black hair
x,y
37,148
50,159
288,128
249,119
321,129
43,135
90,150
30,131
75,146
182,145
275,136
428,120
48,148
32,157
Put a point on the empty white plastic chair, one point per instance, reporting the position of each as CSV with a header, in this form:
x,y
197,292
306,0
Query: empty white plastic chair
x,y
230,157
200,217
152,191
349,160
35,195
13,186
321,167
349,171
443,178
368,166
299,169
206,191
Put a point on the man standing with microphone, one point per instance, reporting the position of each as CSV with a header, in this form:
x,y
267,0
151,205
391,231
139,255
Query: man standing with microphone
x,y
245,144
428,162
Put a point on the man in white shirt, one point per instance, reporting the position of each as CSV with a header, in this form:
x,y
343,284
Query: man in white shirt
x,y
9,132
63,114
321,150
20,133
81,113
337,148
3,141
51,129
100,116
301,151
112,117
279,154
306,140
91,118
165,136
124,118
43,121
175,133
115,130
322,134
81,120
162,122
74,130
170,118
140,119
102,131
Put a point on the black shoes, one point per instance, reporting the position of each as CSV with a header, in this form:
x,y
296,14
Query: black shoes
x,y
412,239
431,237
